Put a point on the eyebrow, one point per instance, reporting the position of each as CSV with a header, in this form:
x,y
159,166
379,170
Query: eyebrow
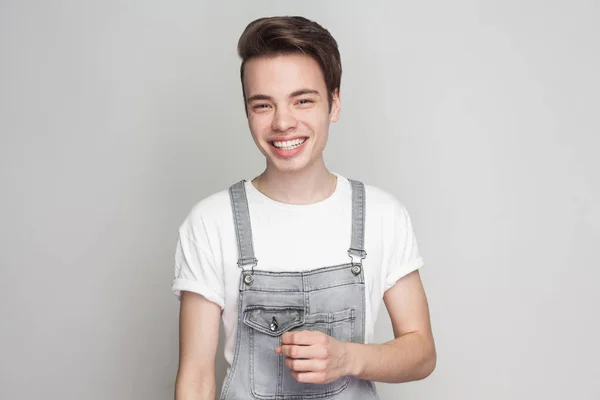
x,y
297,93
303,92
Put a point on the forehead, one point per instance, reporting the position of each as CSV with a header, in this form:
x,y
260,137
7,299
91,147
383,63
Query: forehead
x,y
282,74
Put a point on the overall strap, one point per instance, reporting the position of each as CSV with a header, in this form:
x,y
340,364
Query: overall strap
x,y
357,244
243,230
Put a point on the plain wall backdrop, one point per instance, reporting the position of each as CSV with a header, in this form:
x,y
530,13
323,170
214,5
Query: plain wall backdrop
x,y
482,117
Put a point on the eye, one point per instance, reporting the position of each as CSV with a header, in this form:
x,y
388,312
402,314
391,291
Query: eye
x,y
304,102
259,107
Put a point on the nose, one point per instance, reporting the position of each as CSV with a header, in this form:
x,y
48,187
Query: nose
x,y
283,120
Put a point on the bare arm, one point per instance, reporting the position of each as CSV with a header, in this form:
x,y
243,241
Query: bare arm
x,y
199,321
411,355
317,358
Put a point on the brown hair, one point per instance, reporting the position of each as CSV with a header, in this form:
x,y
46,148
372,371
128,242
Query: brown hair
x,y
266,37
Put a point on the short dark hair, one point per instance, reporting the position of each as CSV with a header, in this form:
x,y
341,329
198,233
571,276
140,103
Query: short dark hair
x,y
272,36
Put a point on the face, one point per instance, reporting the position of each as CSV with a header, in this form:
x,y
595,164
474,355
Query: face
x,y
288,110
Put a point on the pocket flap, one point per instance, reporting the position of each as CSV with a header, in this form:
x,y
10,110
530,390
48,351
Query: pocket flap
x,y
273,321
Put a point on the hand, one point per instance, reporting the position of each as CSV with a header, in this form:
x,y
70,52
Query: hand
x,y
314,357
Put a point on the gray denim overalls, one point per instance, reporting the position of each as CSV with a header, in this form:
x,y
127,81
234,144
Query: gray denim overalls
x,y
329,299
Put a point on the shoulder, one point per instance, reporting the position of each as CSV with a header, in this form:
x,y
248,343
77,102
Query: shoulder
x,y
389,221
384,203
207,213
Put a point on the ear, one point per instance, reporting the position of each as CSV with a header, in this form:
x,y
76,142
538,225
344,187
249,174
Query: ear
x,y
334,113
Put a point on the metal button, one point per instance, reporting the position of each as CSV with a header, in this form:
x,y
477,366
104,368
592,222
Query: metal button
x,y
356,269
274,325
248,279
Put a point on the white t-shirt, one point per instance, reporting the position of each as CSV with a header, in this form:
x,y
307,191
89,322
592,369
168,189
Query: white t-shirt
x,y
293,238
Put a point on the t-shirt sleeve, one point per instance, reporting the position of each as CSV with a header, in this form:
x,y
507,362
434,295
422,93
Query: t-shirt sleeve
x,y
195,267
404,256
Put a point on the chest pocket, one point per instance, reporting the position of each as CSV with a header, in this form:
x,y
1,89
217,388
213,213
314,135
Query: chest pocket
x,y
269,376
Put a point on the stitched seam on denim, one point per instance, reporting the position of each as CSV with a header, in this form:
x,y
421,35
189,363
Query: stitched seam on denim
x,y
320,270
236,221
272,308
280,366
329,387
364,314
362,214
346,283
280,332
278,290
306,294
251,341
330,325
349,283
332,317
328,322
352,330
315,323
249,243
325,394
239,202
323,270
359,214
261,396
333,322
241,253
337,284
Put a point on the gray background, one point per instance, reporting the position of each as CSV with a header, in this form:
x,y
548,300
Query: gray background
x,y
481,117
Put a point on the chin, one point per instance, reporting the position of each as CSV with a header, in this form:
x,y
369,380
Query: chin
x,y
289,166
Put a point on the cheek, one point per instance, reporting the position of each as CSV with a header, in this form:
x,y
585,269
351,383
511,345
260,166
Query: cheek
x,y
320,126
260,125
317,122
254,122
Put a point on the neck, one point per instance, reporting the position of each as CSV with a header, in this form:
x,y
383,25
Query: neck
x,y
307,186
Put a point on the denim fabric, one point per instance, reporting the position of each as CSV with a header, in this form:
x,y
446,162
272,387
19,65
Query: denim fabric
x,y
330,300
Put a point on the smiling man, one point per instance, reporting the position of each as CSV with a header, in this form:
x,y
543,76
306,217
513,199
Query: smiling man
x,y
297,261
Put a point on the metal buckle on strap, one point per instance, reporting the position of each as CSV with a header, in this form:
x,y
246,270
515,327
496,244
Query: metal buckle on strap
x,y
355,255
248,276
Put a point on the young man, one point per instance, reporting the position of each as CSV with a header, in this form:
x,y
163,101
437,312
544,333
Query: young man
x,y
297,261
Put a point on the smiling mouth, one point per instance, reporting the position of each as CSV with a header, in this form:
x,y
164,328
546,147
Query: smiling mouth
x,y
289,144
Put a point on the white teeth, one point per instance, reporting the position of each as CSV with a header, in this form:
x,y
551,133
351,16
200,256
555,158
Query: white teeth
x,y
289,144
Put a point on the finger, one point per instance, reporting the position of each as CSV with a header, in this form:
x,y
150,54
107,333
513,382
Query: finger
x,y
304,338
305,365
307,352
310,377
